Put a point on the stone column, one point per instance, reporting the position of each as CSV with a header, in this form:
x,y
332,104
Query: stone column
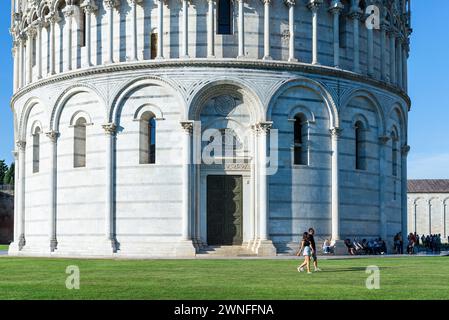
x,y
370,54
22,80
335,136
392,35
16,202
399,61
383,146
110,131
404,210
21,145
291,29
15,54
133,14
39,26
31,33
405,67
355,15
54,18
267,33
211,30
187,141
444,220
241,29
109,6
314,5
89,8
429,207
335,10
53,137
160,42
265,246
68,15
383,50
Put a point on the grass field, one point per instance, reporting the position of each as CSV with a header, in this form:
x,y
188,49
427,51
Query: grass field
x,y
4,247
401,278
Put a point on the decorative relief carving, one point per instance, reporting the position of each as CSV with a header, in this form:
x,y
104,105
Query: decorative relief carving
x,y
225,105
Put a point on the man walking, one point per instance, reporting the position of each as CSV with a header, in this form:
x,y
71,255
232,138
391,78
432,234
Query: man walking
x,y
312,244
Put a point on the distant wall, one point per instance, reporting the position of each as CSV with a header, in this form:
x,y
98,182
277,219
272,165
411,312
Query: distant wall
x,y
6,216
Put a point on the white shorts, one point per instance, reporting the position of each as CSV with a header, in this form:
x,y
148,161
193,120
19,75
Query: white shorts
x,y
307,252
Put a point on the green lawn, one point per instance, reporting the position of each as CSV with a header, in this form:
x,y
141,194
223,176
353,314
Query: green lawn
x,y
401,278
4,247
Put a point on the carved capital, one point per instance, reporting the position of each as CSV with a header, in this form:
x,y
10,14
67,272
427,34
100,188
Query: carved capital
x,y
187,126
266,1
314,4
53,136
110,4
110,128
384,139
336,7
89,6
262,127
53,18
15,155
68,11
31,32
21,144
405,150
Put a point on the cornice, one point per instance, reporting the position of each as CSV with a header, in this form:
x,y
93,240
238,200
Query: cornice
x,y
213,63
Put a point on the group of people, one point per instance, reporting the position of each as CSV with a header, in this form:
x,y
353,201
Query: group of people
x,y
431,242
371,247
308,250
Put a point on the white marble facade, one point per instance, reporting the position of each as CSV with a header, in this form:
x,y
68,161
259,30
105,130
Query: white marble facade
x,y
95,69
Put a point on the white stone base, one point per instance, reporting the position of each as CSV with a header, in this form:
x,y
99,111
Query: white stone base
x,y
340,248
265,248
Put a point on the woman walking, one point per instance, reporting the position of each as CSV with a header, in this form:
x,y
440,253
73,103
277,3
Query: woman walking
x,y
306,251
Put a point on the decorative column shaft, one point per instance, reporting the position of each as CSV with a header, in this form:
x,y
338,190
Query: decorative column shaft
x,y
382,183
383,58
89,9
39,26
16,199
16,55
335,10
31,33
133,14
267,33
187,141
185,24
291,29
68,15
392,56
399,61
110,131
21,193
405,69
355,15
264,129
370,55
160,42
54,18
404,210
22,80
53,137
241,30
211,30
314,6
335,132
109,6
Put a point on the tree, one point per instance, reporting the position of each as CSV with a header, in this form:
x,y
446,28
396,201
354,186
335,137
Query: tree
x,y
9,175
3,169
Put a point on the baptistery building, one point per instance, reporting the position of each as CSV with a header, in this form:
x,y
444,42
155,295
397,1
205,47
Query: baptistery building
x,y
170,127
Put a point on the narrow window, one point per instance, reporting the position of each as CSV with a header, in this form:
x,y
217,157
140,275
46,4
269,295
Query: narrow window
x,y
154,43
34,51
299,148
224,17
360,163
79,148
36,149
147,139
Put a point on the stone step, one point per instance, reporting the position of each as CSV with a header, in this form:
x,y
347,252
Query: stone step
x,y
227,251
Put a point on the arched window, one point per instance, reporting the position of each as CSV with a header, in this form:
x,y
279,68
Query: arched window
x,y
147,139
360,160
224,17
394,150
36,149
79,145
154,43
300,141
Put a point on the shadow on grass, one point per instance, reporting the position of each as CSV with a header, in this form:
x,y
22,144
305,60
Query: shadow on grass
x,y
348,269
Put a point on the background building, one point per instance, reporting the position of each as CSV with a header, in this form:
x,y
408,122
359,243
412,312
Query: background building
x,y
113,100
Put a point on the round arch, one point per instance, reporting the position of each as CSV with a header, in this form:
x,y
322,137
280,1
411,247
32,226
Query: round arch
x,y
363,93
29,105
134,84
65,96
316,87
396,107
220,86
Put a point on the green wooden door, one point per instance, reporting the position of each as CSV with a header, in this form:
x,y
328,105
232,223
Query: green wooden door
x,y
224,210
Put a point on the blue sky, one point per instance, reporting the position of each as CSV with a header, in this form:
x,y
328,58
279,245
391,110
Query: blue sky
x,y
428,89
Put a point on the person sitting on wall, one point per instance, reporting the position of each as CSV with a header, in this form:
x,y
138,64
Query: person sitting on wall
x,y
350,246
327,246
